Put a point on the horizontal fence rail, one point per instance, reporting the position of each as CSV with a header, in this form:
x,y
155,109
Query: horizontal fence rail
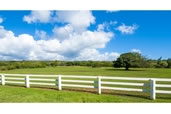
x,y
149,85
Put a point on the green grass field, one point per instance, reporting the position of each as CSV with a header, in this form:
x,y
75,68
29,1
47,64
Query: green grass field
x,y
106,71
9,94
21,94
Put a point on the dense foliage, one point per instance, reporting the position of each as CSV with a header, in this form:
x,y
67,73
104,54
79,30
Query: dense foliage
x,y
136,60
127,60
169,63
9,65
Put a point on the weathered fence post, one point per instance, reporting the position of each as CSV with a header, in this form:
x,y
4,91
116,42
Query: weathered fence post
x,y
2,79
59,83
99,85
27,81
152,89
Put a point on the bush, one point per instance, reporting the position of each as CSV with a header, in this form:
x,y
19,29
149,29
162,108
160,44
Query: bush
x,y
162,64
96,65
169,63
3,68
11,67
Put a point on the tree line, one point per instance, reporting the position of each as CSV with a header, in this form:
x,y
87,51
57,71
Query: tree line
x,y
126,60
9,65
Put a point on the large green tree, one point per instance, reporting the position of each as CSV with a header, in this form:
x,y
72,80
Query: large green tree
x,y
129,60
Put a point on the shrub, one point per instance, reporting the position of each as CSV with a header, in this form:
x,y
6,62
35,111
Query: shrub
x,y
3,68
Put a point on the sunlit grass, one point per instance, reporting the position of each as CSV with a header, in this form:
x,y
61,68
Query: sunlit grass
x,y
22,94
105,71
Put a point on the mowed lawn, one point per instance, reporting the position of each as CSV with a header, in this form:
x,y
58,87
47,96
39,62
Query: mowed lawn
x,y
12,94
105,71
22,94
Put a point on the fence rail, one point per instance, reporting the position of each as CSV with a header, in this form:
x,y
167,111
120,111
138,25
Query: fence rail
x,y
98,82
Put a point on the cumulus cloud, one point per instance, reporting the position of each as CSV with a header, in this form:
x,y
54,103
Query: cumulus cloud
x,y
75,47
93,54
124,29
38,16
70,41
62,33
79,20
76,42
24,47
136,51
1,20
4,33
41,34
16,47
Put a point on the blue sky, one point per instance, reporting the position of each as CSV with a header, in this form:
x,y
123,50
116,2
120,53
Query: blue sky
x,y
83,35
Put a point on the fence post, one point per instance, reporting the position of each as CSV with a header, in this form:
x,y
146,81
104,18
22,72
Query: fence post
x,y
152,89
59,83
2,79
99,85
27,81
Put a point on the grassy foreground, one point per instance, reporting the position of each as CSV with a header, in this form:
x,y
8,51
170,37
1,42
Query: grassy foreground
x,y
21,94
9,94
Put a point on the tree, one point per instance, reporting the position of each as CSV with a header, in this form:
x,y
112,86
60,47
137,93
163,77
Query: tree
x,y
169,62
161,63
128,60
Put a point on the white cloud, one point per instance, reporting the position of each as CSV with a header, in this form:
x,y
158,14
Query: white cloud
x,y
1,20
71,41
41,34
38,16
100,27
62,33
75,47
136,51
124,29
23,47
16,47
93,54
76,42
106,26
79,20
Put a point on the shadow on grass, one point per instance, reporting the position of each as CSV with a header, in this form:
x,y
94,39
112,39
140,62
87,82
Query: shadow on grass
x,y
109,92
104,92
115,69
93,91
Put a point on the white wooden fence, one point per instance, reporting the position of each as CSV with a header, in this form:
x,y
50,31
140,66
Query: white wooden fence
x,y
99,82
